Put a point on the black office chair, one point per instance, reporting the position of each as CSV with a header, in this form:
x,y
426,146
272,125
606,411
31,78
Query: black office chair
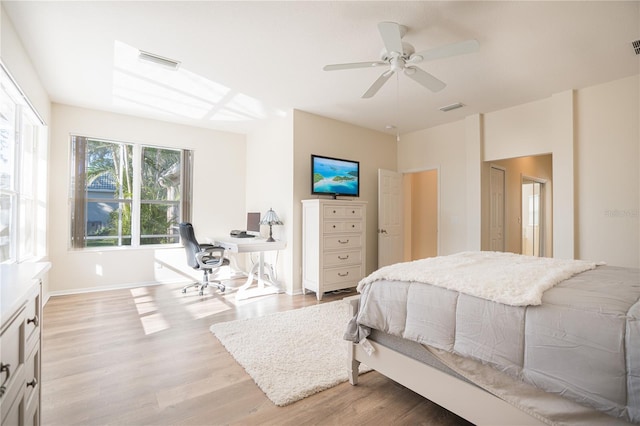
x,y
206,257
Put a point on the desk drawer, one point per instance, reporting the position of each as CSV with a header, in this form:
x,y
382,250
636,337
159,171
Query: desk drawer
x,y
342,258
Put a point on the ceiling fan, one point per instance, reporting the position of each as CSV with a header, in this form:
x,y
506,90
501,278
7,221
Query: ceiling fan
x,y
401,56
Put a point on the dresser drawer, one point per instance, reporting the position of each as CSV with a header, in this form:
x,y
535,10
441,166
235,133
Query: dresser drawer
x,y
342,258
32,376
32,319
343,275
345,226
12,374
342,212
342,241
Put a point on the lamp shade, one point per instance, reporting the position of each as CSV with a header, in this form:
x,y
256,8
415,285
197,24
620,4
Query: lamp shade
x,y
270,218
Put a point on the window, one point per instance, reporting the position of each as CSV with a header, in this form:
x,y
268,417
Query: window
x,y
23,173
127,195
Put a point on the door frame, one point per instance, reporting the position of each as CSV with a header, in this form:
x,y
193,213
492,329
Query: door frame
x,y
543,211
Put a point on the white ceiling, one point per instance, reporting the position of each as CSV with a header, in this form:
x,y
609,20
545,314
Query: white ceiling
x,y
256,59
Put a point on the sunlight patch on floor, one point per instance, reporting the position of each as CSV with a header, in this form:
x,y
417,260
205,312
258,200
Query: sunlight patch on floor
x,y
152,321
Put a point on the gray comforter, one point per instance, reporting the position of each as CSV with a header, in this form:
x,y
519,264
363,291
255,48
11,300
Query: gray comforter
x,y
582,342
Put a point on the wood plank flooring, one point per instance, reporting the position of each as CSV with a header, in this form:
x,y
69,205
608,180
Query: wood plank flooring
x,y
145,356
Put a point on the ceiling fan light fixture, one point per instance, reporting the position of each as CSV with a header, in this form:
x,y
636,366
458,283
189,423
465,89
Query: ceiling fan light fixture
x,y
158,60
451,107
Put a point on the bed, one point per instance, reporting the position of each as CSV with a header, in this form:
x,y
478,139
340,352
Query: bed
x,y
500,338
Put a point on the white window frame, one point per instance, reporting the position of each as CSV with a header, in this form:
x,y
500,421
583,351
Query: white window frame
x,y
184,204
27,194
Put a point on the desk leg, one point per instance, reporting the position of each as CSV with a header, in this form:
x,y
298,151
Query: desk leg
x,y
261,290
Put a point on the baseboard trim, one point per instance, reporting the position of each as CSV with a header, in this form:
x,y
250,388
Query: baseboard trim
x,y
108,288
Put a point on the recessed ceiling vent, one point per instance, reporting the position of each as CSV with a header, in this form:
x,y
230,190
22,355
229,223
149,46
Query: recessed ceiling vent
x,y
636,46
451,107
159,60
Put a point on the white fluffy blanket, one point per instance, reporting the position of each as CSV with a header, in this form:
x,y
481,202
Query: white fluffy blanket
x,y
507,278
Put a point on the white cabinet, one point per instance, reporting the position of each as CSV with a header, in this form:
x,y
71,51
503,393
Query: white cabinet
x,y
333,244
20,343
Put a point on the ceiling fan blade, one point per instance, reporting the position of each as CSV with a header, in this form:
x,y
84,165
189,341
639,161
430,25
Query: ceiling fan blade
x,y
378,84
424,78
460,48
335,67
391,36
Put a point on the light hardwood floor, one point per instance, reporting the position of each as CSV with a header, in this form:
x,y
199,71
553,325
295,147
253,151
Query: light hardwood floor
x,y
145,356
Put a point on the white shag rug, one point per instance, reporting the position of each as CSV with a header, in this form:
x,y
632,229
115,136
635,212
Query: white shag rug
x,y
291,354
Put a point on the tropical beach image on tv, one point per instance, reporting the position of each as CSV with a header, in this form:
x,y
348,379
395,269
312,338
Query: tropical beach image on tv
x,y
334,176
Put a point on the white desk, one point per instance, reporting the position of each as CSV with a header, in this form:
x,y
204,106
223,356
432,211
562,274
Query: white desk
x,y
253,245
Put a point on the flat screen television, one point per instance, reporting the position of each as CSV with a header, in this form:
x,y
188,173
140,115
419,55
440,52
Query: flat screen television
x,y
334,176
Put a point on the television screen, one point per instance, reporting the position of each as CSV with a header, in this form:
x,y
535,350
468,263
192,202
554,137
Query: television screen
x,y
334,176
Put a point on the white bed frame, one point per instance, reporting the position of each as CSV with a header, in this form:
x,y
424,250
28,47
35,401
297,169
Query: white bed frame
x,y
468,401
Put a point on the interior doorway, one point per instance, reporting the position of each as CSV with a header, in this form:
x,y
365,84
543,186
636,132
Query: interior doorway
x,y
521,232
532,217
421,214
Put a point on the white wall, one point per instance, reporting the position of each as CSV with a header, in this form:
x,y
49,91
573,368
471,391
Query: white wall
x,y
15,58
314,134
595,129
536,128
218,198
18,63
607,164
270,185
443,148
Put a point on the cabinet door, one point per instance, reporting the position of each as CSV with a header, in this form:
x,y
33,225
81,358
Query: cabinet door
x,y
32,380
12,374
32,319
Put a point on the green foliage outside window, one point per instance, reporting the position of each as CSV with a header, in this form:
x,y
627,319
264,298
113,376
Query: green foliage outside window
x,y
110,194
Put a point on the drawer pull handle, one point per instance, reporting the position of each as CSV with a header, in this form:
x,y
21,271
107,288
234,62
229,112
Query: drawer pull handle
x,y
33,320
343,258
343,242
343,275
4,368
32,383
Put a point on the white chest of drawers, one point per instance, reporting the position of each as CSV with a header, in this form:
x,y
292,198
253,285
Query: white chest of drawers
x,y
333,244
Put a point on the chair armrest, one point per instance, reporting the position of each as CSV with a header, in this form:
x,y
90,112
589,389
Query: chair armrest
x,y
210,253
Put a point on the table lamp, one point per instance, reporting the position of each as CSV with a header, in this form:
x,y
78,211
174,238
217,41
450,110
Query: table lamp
x,y
270,218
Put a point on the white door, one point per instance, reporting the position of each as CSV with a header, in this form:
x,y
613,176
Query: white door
x,y
496,207
390,243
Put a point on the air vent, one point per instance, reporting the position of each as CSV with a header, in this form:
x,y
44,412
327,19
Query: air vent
x,y
159,60
451,107
636,46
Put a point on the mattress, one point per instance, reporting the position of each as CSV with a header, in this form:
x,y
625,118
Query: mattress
x,y
582,342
